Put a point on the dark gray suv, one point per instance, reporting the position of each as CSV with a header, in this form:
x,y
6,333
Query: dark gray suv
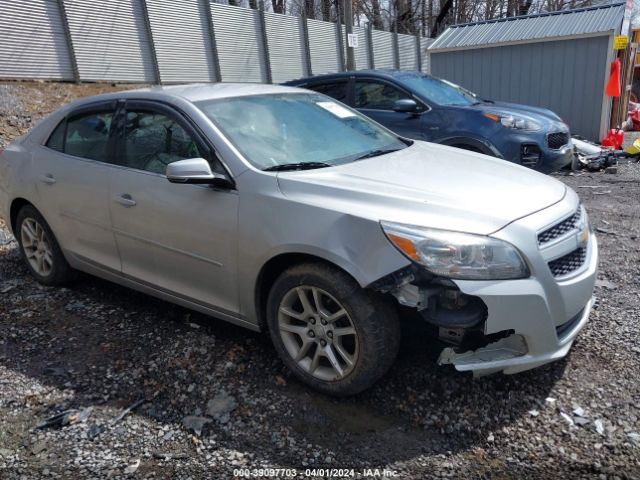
x,y
423,107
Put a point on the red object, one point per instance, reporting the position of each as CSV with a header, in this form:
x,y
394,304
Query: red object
x,y
613,85
635,119
614,139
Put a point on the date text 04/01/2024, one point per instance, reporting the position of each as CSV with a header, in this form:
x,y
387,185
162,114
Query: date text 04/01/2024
x,y
315,473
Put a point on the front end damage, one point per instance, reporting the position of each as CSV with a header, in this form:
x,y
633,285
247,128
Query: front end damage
x,y
456,318
504,326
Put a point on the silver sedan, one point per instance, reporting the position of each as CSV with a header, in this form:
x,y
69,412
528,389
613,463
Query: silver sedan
x,y
282,210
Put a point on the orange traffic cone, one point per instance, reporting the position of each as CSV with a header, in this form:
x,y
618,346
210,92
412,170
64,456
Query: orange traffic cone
x,y
613,85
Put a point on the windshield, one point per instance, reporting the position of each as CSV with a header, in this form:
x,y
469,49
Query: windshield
x,y
441,91
297,129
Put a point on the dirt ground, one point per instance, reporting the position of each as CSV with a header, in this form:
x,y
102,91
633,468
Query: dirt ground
x,y
102,347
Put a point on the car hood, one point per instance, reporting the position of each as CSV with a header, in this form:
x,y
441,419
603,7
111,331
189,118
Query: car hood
x,y
534,113
428,185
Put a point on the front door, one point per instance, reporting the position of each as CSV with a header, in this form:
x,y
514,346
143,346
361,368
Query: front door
x,y
180,239
375,99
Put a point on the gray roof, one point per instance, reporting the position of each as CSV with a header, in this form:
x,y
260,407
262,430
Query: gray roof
x,y
581,21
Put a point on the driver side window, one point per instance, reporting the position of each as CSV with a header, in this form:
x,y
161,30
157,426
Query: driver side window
x,y
153,140
377,96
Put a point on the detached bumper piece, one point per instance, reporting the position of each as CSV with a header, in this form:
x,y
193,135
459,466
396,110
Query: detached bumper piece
x,y
504,349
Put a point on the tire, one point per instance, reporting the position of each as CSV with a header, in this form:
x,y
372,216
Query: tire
x,y
371,348
55,270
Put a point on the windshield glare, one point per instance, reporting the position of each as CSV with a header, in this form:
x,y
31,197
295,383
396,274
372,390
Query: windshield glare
x,y
440,91
279,129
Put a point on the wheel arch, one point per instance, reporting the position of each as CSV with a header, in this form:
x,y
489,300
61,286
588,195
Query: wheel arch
x,y
273,268
481,145
14,209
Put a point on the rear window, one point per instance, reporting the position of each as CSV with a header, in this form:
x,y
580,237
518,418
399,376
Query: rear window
x,y
85,135
56,140
337,90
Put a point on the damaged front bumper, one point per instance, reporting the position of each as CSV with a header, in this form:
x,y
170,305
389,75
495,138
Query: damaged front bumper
x,y
513,354
533,321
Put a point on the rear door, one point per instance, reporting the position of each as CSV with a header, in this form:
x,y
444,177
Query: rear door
x,y
178,238
72,174
375,98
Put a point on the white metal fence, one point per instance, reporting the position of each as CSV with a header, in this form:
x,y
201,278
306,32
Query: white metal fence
x,y
175,41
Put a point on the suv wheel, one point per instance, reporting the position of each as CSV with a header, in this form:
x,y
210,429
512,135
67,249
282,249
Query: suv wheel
x,y
334,335
40,249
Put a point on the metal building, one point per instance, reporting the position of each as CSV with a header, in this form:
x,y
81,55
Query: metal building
x,y
559,61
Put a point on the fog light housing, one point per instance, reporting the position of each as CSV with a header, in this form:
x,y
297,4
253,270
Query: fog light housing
x,y
529,155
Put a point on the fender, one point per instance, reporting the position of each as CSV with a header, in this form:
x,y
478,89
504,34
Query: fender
x,y
481,144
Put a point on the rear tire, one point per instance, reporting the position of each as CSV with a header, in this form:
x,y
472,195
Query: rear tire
x,y
334,335
40,250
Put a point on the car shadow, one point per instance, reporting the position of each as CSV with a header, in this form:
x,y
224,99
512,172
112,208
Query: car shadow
x,y
110,346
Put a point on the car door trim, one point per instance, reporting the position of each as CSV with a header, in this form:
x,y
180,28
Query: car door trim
x,y
164,294
167,247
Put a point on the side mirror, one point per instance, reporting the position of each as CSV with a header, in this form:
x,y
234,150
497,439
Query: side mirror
x,y
405,105
196,171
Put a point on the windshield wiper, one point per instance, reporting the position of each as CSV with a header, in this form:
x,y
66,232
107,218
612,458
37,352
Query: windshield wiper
x,y
296,166
376,153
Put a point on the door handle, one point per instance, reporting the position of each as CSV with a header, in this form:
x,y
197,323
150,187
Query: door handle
x,y
126,200
48,179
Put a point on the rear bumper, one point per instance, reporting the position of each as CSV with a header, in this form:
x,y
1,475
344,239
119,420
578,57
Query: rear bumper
x,y
544,313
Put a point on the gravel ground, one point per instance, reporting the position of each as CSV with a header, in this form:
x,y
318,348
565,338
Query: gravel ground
x,y
216,398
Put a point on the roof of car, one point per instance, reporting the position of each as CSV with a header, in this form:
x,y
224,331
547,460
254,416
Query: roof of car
x,y
195,92
380,73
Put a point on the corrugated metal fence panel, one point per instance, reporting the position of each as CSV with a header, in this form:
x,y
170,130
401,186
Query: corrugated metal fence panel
x,y
110,40
32,41
181,37
566,76
286,47
424,53
323,46
382,49
361,53
407,52
239,43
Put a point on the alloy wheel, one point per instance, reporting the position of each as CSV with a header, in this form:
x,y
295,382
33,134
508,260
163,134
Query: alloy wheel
x,y
37,246
318,333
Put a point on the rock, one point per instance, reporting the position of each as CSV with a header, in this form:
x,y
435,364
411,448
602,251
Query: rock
x,y
635,438
533,413
601,283
195,424
5,452
611,170
132,468
568,419
578,411
221,406
599,426
580,421
55,371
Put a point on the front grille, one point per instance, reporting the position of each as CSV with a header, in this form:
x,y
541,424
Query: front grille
x,y
557,140
559,229
568,263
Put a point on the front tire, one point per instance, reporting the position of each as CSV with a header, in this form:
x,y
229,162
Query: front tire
x,y
40,250
334,335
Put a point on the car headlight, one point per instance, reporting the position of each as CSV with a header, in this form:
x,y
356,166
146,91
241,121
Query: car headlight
x,y
512,121
457,255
